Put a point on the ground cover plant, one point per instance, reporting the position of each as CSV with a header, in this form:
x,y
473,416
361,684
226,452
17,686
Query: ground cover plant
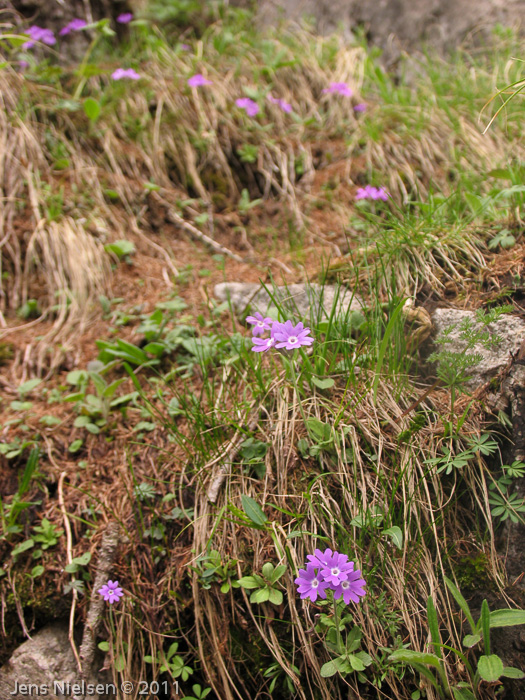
x,y
285,504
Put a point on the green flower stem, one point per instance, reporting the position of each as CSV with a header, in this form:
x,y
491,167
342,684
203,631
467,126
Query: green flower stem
x,y
337,630
296,387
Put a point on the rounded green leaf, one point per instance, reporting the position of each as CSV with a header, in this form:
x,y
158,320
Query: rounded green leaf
x,y
91,109
490,668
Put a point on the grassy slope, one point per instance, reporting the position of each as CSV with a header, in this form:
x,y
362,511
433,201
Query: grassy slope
x,y
158,147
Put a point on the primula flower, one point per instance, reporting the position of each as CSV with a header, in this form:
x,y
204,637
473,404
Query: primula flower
x,y
125,18
330,571
337,569
111,592
251,107
262,344
73,26
198,80
121,73
259,323
285,106
185,47
42,34
291,337
361,107
340,89
352,588
370,192
310,584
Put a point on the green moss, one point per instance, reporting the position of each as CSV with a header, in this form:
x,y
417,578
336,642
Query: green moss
x,y
471,572
6,353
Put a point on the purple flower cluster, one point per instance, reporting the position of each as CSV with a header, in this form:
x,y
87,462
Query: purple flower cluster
x,y
42,34
370,192
330,571
251,107
111,592
285,106
340,89
122,73
282,335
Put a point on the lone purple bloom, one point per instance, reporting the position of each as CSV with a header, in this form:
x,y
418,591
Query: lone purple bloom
x,y
259,323
361,107
111,592
340,89
291,337
262,344
352,588
73,26
198,80
337,569
125,18
310,584
251,107
121,73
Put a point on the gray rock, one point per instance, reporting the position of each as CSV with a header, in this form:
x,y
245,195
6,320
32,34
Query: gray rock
x,y
311,302
43,662
510,329
400,25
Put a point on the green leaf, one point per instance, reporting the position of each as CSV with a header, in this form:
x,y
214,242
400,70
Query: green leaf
x,y
267,570
276,597
490,668
500,174
75,446
507,618
28,386
328,669
396,535
248,582
510,672
91,109
463,694
434,627
104,646
253,510
278,572
37,571
323,383
23,547
471,640
485,626
260,596
409,656
461,602
356,662
120,248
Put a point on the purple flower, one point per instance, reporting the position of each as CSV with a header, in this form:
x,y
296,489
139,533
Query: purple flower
x,y
310,584
370,192
185,47
337,569
251,107
260,324
23,64
111,592
198,80
262,344
340,89
121,73
42,34
352,588
285,106
290,337
125,18
73,26
319,558
361,107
